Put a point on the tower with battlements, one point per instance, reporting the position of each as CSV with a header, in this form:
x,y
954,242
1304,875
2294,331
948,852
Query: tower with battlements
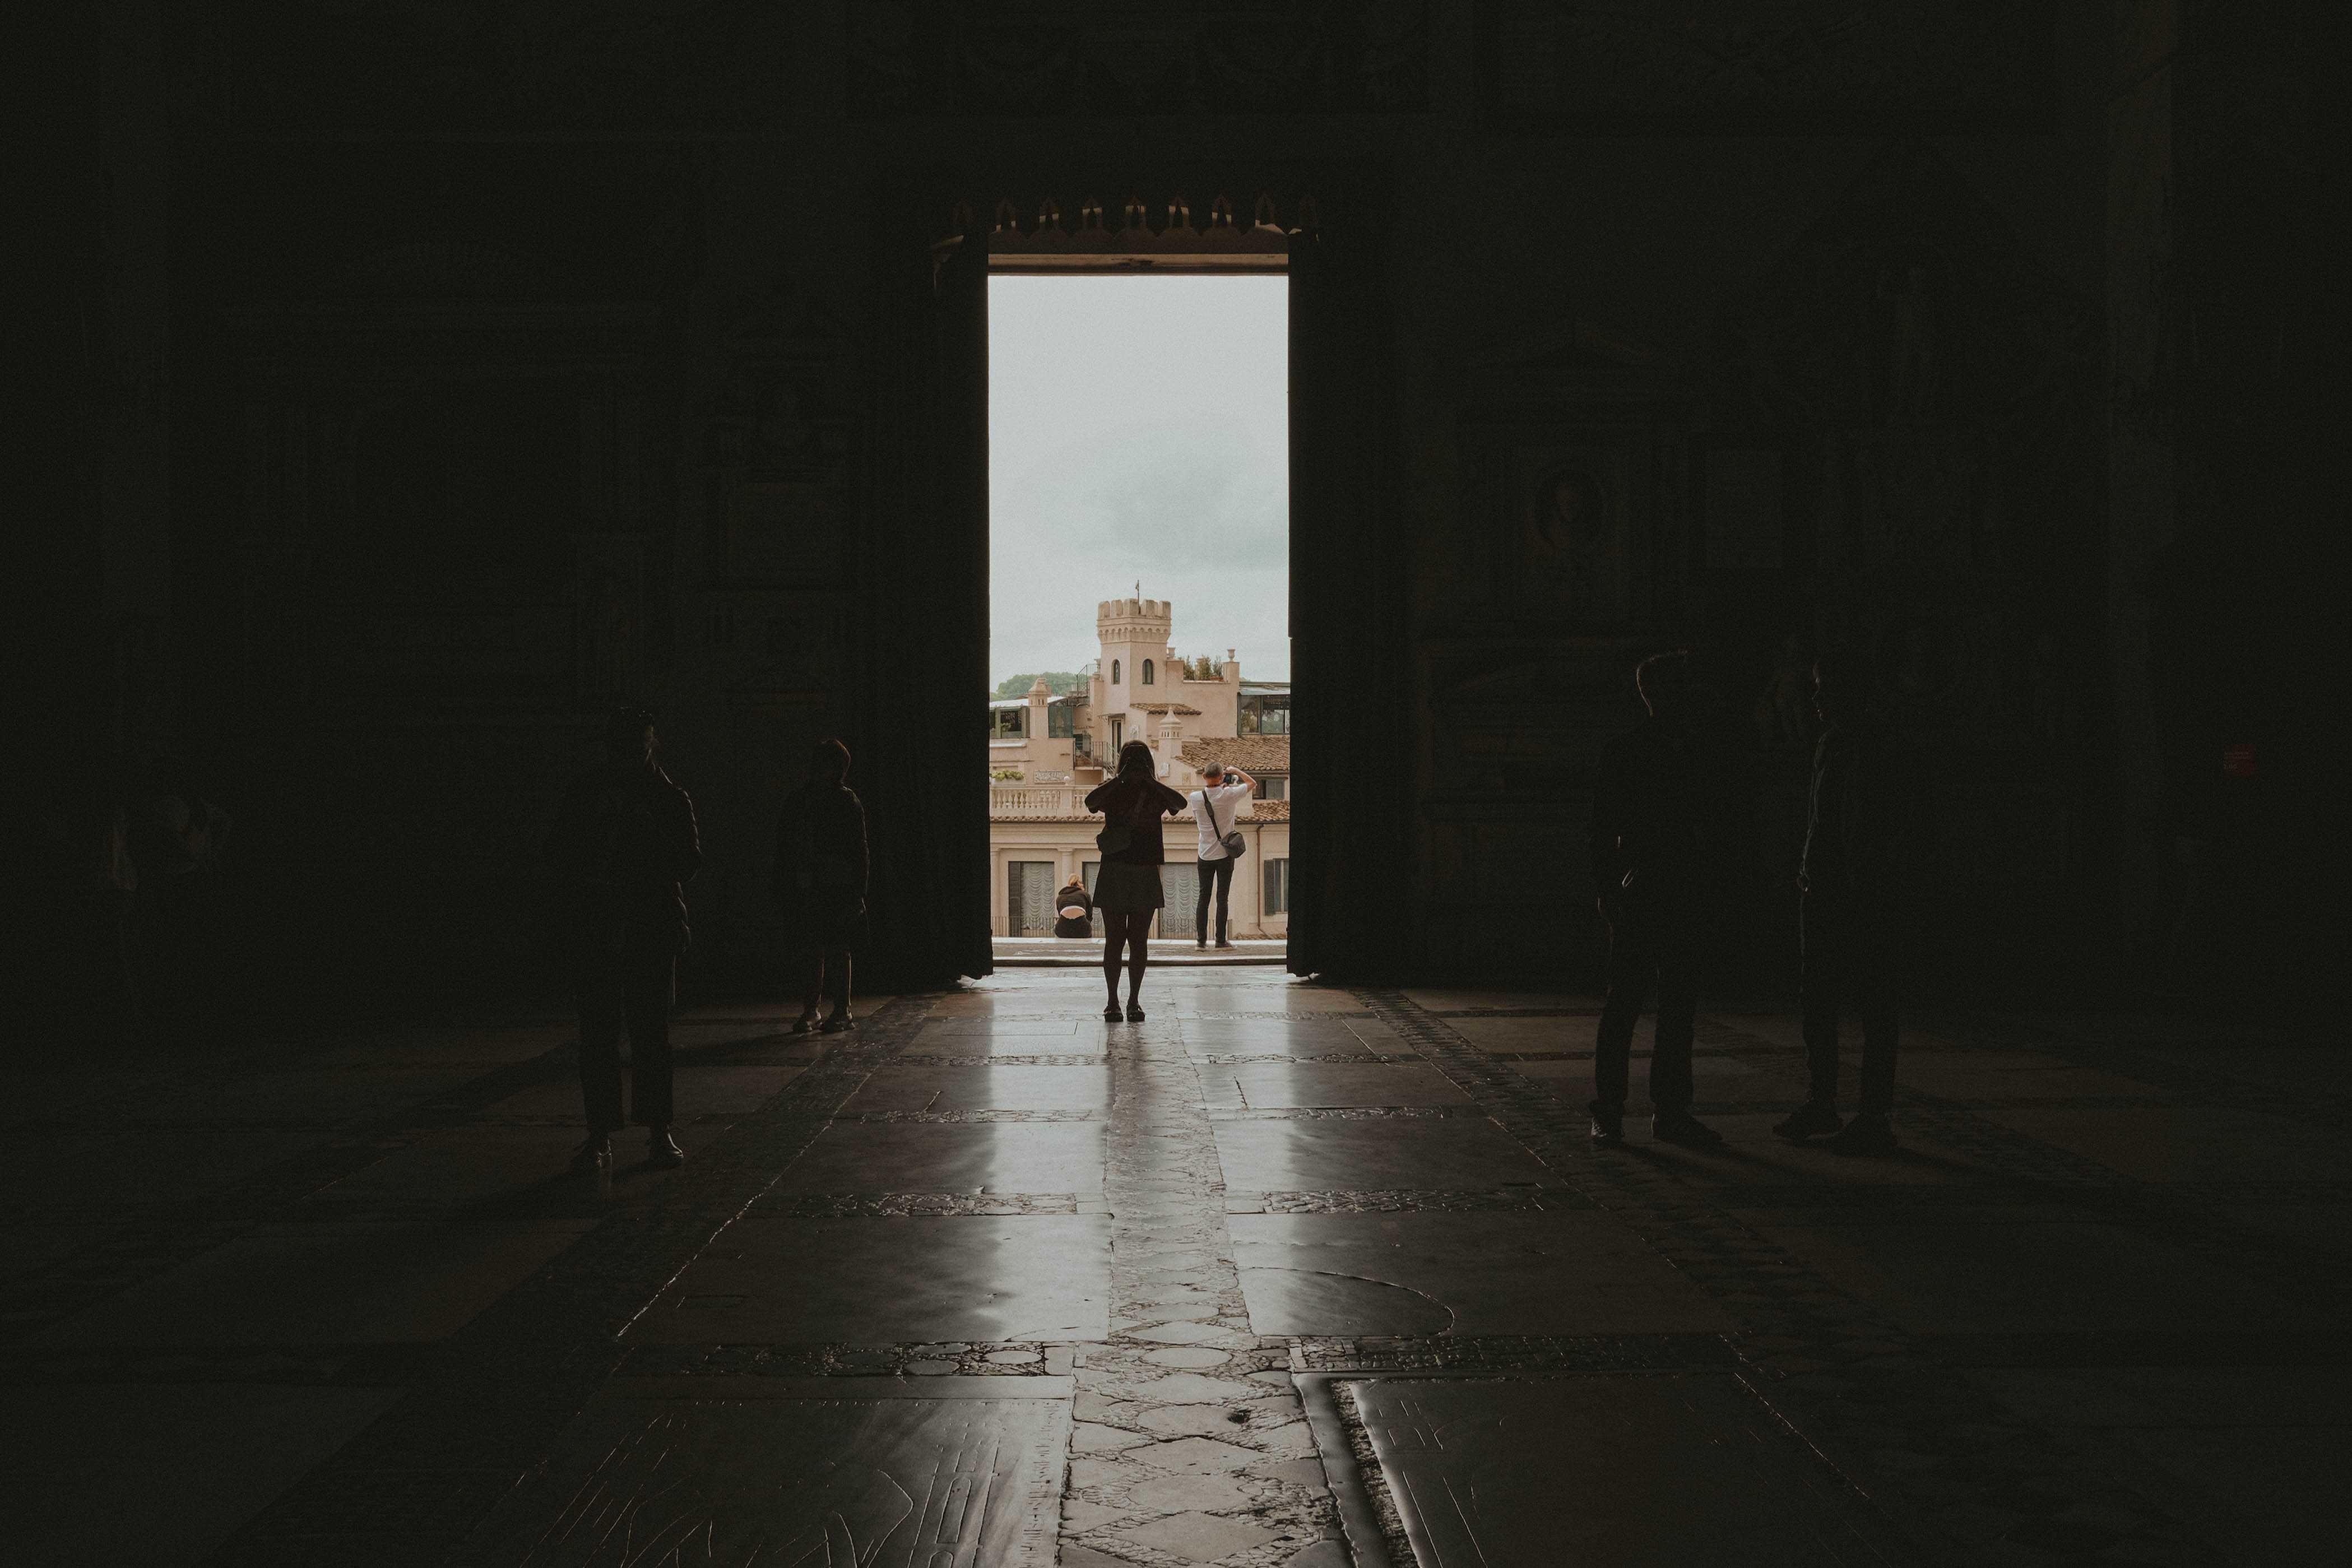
x,y
1046,752
1142,691
1135,657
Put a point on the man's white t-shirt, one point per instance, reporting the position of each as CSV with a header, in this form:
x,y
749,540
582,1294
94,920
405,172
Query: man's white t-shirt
x,y
1223,797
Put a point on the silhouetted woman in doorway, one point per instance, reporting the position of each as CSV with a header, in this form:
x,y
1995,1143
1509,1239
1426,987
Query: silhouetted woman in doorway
x,y
821,871
1126,889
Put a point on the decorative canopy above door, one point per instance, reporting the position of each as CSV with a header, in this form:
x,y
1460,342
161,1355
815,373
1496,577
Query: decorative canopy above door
x,y
1147,236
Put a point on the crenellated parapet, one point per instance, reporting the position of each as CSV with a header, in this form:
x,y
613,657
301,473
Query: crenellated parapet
x,y
1134,620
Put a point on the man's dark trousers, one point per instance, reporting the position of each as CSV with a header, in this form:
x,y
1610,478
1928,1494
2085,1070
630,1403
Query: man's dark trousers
x,y
1851,953
633,985
1217,875
1642,952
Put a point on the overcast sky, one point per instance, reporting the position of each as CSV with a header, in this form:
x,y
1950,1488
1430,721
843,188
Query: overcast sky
x,y
1138,431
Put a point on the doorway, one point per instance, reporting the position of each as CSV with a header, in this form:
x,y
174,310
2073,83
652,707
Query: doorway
x,y
1139,431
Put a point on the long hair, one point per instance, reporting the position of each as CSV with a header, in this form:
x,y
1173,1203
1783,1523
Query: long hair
x,y
829,761
1135,760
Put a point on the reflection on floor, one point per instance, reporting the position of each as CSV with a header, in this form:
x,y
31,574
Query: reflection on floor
x,y
1284,1274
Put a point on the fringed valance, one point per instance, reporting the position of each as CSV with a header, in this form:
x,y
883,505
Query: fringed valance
x,y
1136,237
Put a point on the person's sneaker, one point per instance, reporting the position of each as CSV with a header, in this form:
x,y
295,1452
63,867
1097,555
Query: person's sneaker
x,y
804,1025
1134,1013
662,1152
593,1156
1225,944
1867,1134
1681,1127
1815,1119
839,1021
1608,1124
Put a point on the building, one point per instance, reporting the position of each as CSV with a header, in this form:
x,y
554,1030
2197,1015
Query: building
x,y
1047,749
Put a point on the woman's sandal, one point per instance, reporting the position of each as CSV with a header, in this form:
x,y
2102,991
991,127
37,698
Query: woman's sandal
x,y
1134,1014
1111,1014
807,1025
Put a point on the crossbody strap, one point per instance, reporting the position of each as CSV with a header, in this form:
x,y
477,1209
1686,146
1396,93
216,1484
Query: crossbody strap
x,y
1211,811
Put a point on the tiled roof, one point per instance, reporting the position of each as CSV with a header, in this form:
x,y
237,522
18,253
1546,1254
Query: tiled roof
x,y
1251,753
1180,709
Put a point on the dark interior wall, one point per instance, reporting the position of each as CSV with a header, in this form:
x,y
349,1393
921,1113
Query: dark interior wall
x,y
2235,411
528,360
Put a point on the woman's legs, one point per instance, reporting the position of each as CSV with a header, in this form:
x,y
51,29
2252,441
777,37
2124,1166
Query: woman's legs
x,y
1132,933
1139,941
1114,938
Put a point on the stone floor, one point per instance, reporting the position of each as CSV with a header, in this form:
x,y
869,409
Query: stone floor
x,y
1284,1274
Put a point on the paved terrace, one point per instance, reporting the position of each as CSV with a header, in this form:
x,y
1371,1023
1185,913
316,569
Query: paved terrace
x,y
1284,1275
1054,952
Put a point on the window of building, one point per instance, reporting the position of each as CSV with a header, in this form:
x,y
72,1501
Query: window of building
x,y
1265,715
1114,672
1057,722
1278,887
1009,723
1146,672
1118,735
1273,786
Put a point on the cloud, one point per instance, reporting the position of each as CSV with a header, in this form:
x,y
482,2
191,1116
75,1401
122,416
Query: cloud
x,y
1103,473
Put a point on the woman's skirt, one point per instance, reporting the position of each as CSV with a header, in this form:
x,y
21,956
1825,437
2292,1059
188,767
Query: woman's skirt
x,y
1124,889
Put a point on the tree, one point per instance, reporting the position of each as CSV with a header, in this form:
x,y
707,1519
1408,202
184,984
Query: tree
x,y
1060,682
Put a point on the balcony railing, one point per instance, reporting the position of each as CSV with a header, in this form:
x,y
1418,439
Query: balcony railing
x,y
1008,799
1033,800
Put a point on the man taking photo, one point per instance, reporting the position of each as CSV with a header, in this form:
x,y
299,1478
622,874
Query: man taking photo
x,y
1213,806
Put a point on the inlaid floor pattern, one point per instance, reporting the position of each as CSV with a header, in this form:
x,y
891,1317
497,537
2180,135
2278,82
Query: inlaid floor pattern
x,y
1284,1274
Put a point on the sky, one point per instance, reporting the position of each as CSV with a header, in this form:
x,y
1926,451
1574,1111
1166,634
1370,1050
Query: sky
x,y
1138,432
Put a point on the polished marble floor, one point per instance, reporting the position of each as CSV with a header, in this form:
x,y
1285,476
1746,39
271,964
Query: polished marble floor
x,y
1285,1274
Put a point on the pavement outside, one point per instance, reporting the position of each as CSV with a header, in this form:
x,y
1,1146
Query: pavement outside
x,y
1284,1275
1051,953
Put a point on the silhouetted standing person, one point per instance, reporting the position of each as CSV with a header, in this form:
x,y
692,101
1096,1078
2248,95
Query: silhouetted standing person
x,y
1659,809
1126,889
1862,837
623,844
822,868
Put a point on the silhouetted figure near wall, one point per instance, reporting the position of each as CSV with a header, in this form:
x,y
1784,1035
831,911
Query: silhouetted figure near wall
x,y
1859,874
622,843
822,868
178,841
66,902
1660,807
1126,889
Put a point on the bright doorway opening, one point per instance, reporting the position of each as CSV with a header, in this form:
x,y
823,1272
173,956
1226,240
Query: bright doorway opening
x,y
1139,580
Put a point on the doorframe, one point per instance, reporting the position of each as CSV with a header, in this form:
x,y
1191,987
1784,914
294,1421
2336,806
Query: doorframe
x,y
1351,911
